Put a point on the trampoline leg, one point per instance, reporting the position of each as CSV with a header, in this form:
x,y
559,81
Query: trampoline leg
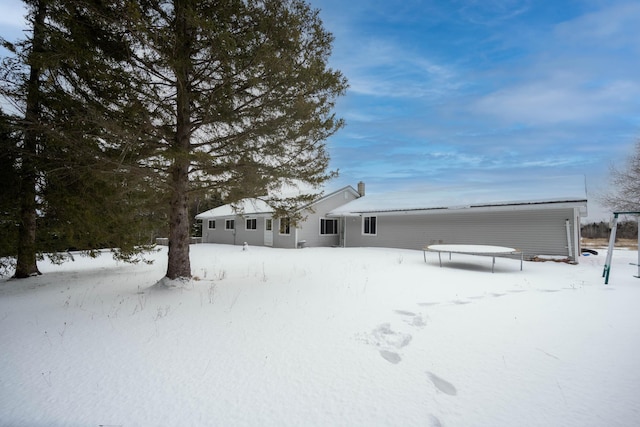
x,y
440,259
493,264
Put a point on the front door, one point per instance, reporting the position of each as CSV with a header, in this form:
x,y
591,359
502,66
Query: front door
x,y
268,232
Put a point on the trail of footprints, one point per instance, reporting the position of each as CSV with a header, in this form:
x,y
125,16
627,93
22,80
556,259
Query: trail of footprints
x,y
390,342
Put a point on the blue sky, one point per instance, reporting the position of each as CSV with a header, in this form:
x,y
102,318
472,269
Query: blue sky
x,y
478,91
454,92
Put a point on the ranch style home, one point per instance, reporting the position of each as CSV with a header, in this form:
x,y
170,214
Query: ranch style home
x,y
541,219
252,221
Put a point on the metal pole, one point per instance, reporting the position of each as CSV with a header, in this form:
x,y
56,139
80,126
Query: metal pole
x,y
567,225
612,241
638,218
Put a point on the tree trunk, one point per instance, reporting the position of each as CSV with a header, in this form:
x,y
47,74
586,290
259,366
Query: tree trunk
x,y
26,260
179,264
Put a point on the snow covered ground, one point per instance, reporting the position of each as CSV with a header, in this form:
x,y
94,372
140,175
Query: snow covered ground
x,y
323,337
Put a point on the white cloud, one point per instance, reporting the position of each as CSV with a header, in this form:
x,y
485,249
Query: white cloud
x,y
614,25
547,102
583,72
491,12
401,75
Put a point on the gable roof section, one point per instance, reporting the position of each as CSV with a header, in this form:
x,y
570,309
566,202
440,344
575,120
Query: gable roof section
x,y
246,206
259,207
564,190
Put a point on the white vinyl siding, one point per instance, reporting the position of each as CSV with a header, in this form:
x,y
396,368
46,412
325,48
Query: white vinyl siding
x,y
535,232
308,230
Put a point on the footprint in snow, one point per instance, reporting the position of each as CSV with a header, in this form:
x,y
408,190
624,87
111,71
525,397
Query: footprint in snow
x,y
390,356
434,421
384,336
428,304
387,340
405,313
444,386
413,318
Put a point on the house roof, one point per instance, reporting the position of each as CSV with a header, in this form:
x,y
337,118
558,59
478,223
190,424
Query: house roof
x,y
246,206
257,206
478,195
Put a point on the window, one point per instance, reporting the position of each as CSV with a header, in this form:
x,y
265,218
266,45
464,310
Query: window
x,y
251,224
229,224
369,225
268,224
212,224
328,226
285,226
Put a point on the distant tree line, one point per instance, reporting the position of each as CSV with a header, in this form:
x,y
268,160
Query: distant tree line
x,y
602,230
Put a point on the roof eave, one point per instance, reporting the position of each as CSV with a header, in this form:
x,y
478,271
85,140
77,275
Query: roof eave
x,y
560,204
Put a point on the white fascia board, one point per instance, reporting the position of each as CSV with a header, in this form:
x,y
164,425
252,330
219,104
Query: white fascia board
x,y
343,214
459,209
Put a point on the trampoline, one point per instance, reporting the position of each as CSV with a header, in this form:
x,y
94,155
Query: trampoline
x,y
479,250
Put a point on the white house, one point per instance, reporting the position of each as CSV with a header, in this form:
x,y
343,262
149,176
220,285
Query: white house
x,y
539,218
252,221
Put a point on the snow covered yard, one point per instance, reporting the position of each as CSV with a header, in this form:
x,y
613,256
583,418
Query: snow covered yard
x,y
322,337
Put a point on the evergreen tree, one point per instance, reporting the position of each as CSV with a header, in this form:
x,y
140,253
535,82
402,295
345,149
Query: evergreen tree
x,y
238,97
31,145
125,99
80,186
9,192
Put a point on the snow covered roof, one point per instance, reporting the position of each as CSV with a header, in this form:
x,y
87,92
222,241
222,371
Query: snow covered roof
x,y
542,191
245,206
257,206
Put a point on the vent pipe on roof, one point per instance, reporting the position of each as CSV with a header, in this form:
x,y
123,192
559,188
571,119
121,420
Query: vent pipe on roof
x,y
361,188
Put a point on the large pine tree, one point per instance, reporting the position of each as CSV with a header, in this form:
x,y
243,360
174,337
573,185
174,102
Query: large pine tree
x,y
239,99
